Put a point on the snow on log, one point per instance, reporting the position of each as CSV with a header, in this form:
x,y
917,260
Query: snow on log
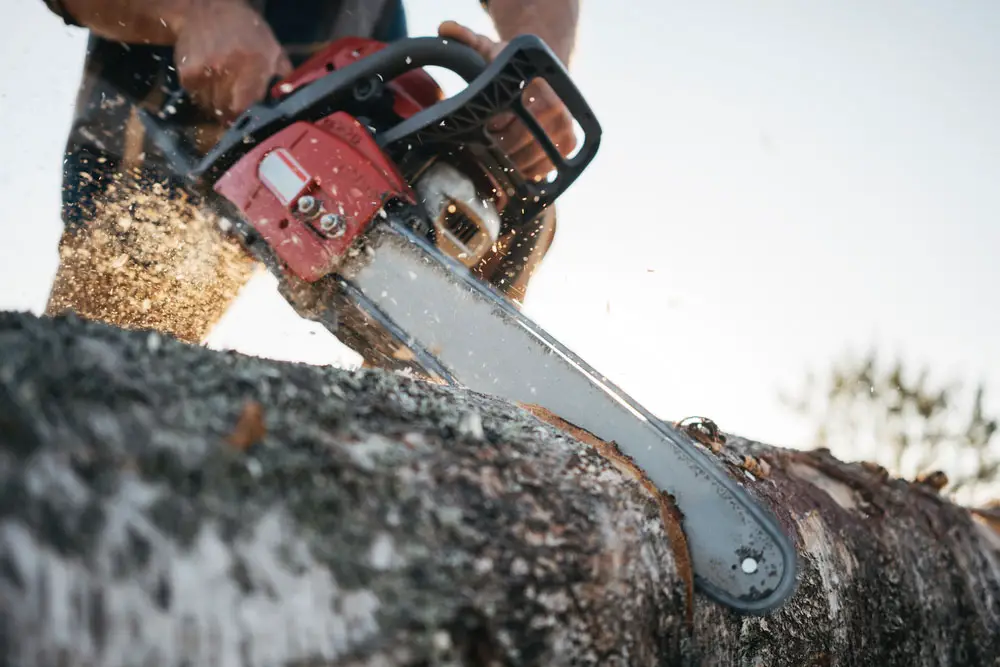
x,y
163,504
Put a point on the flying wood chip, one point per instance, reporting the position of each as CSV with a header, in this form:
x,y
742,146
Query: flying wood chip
x,y
250,428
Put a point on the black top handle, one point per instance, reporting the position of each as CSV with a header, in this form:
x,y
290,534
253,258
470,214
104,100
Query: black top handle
x,y
460,123
335,91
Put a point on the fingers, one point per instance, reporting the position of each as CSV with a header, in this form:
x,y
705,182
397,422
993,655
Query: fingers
x,y
457,31
251,83
533,161
245,91
551,114
482,44
517,141
202,84
227,70
227,90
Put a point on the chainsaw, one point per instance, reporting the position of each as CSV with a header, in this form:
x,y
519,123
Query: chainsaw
x,y
369,195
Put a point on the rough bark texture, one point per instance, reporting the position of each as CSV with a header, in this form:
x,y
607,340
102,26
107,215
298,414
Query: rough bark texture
x,y
164,505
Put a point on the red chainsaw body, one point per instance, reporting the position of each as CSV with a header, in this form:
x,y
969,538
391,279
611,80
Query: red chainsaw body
x,y
413,90
334,161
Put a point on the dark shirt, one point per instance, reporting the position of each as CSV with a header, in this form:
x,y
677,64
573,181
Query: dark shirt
x,y
106,138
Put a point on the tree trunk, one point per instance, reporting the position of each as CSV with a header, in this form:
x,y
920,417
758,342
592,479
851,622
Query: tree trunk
x,y
163,504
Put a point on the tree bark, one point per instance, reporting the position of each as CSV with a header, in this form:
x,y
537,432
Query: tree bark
x,y
164,504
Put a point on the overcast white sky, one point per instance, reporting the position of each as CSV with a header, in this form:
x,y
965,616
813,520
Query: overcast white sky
x,y
778,183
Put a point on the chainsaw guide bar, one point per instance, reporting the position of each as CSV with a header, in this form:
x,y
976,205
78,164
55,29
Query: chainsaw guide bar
x,y
371,272
739,555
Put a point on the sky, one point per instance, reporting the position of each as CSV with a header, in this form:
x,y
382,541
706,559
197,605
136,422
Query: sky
x,y
778,184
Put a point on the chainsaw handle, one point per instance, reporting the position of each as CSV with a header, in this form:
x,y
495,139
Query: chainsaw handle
x,y
491,89
460,122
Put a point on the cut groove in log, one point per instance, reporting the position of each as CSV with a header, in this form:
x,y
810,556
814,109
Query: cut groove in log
x,y
669,512
363,519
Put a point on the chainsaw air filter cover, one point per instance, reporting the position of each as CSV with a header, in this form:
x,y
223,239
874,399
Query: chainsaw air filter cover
x,y
466,225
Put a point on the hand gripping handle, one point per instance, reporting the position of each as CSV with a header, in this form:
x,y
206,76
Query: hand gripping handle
x,y
460,122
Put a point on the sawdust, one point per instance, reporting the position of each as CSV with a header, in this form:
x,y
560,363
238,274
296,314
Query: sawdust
x,y
149,261
757,467
703,430
935,480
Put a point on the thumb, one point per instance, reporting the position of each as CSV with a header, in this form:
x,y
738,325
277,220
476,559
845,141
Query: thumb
x,y
284,66
482,44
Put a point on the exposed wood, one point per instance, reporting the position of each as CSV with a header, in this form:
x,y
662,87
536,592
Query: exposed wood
x,y
149,516
669,513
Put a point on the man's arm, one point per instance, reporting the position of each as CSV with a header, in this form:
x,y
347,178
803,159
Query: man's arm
x,y
224,51
146,22
555,21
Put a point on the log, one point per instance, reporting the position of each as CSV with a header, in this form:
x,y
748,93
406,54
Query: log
x,y
166,504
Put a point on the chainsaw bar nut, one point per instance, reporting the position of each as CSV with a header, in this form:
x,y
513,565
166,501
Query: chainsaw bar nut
x,y
307,205
333,225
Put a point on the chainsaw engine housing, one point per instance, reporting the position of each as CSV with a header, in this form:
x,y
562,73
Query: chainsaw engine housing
x,y
362,128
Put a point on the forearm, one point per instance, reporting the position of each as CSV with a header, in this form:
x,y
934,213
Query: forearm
x,y
131,21
555,21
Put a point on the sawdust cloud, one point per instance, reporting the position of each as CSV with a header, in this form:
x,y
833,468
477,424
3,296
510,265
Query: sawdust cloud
x,y
149,260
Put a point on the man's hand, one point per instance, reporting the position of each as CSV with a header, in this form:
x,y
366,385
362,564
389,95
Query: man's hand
x,y
226,55
513,136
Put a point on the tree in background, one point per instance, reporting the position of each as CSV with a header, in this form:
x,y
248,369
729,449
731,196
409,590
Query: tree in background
x,y
866,408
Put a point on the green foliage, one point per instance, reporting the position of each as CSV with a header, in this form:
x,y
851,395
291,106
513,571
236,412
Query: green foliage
x,y
871,410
